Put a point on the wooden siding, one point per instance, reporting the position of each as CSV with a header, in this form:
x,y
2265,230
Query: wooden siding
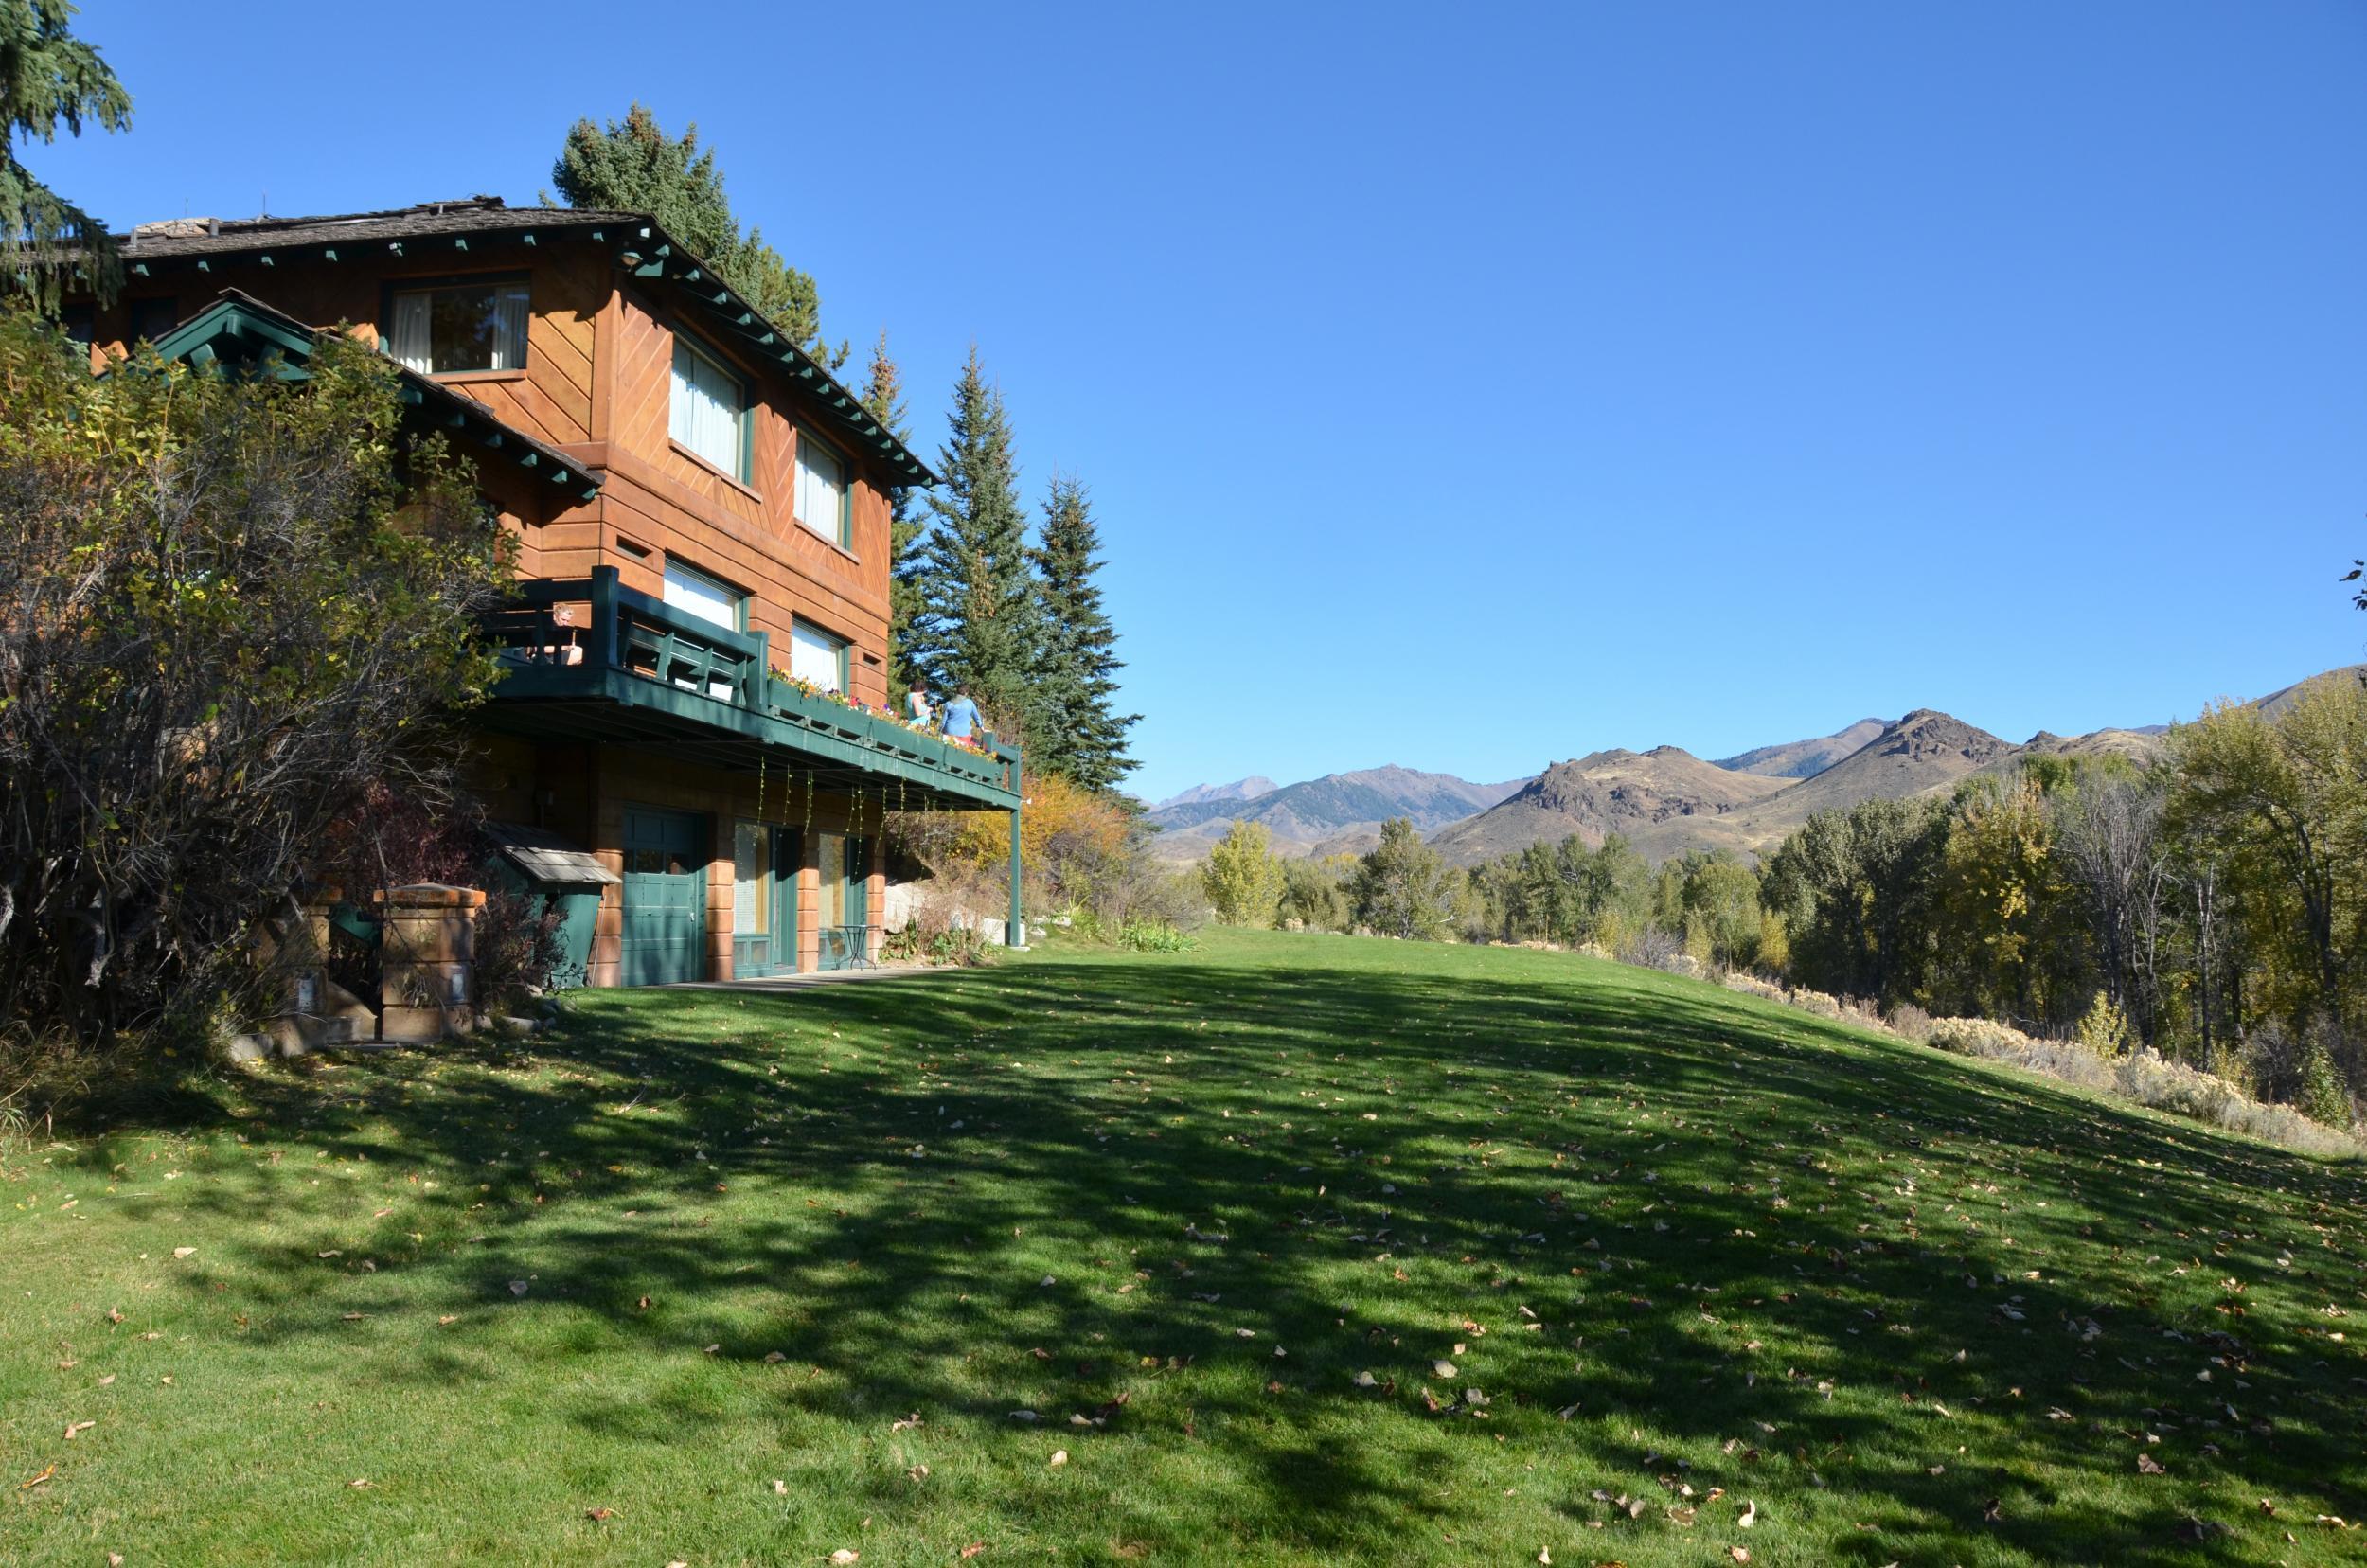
x,y
598,382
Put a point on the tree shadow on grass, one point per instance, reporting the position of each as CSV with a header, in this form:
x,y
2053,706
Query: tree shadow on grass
x,y
1653,1171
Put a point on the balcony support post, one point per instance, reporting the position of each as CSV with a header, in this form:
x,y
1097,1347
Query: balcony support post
x,y
1014,934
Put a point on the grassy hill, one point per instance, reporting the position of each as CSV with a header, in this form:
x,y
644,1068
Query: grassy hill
x,y
1300,1248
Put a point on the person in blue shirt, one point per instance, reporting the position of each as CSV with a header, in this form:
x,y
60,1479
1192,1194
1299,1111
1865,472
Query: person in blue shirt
x,y
961,715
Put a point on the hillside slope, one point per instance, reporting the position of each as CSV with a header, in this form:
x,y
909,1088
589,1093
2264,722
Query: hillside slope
x,y
1560,1238
1806,758
1664,801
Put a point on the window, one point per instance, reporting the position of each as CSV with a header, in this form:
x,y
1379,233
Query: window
x,y
751,880
833,879
822,490
708,412
462,328
815,655
693,591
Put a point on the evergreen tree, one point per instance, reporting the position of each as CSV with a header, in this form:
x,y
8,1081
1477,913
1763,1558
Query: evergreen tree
x,y
976,620
635,167
884,397
1077,730
48,78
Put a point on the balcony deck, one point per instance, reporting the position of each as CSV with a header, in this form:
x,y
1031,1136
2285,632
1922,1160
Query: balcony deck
x,y
588,660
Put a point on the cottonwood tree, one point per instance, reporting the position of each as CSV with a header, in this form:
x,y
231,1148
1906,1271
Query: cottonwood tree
x,y
1243,878
2287,797
1403,887
233,607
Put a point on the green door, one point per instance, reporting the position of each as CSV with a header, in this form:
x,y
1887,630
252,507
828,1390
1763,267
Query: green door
x,y
665,896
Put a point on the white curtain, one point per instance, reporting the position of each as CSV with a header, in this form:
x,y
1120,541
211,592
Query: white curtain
x,y
410,344
701,596
821,489
815,656
510,328
704,414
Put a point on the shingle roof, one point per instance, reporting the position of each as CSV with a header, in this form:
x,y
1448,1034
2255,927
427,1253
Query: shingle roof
x,y
643,247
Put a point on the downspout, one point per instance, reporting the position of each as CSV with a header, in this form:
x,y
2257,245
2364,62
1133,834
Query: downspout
x,y
1012,934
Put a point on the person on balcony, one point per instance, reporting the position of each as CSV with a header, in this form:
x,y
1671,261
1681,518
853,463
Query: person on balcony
x,y
961,717
917,710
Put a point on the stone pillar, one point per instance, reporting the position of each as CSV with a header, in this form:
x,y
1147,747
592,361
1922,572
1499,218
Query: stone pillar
x,y
426,949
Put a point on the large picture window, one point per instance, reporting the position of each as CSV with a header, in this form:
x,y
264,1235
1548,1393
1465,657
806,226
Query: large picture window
x,y
460,327
709,410
815,655
822,505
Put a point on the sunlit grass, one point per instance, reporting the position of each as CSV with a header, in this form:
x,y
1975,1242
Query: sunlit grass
x,y
790,1265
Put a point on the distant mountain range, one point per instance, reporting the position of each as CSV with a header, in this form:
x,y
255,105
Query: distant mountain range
x,y
1665,801
1337,814
1240,789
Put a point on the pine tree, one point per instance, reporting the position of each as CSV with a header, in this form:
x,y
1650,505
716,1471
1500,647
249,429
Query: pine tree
x,y
49,77
635,167
977,617
884,397
1077,730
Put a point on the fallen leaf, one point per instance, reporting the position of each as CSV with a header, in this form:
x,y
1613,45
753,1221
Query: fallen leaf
x,y
185,1251
73,1427
597,1514
517,1287
1059,1457
843,1556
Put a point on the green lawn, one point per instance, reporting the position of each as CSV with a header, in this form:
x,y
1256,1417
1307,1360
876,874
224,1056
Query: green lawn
x,y
784,1269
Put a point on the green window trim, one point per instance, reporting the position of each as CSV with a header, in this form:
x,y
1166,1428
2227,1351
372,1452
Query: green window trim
x,y
744,417
844,535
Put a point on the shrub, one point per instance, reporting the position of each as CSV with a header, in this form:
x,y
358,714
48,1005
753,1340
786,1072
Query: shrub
x,y
234,603
1145,936
2104,1028
2322,1098
1909,1021
2147,1078
1815,1002
1750,985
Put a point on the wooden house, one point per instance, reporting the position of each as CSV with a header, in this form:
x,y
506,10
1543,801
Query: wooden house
x,y
696,670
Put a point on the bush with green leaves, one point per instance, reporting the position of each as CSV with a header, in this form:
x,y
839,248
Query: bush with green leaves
x,y
234,607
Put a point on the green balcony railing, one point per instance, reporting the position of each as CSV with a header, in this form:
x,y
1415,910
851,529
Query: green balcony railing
x,y
593,639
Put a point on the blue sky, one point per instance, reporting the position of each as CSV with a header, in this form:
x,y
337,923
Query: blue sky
x,y
1472,388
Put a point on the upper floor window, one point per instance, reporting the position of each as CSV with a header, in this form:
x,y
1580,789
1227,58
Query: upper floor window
x,y
822,499
710,599
815,655
707,413
461,327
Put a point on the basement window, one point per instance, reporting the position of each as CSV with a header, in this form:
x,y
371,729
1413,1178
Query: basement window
x,y
460,328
